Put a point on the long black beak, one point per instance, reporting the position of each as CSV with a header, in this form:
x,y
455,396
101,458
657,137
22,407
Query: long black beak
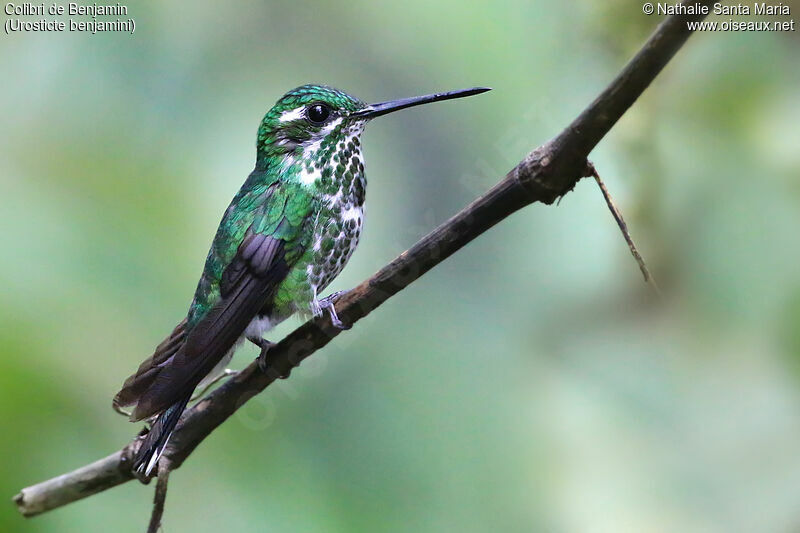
x,y
376,110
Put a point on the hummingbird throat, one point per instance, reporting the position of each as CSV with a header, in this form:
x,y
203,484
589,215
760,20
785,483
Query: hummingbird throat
x,y
330,159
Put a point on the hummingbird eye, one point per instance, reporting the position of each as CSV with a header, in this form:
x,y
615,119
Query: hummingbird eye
x,y
317,114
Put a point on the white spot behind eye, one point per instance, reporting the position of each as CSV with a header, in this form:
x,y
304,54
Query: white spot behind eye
x,y
292,114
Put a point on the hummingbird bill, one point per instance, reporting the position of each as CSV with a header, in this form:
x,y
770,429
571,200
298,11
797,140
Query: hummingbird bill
x,y
285,236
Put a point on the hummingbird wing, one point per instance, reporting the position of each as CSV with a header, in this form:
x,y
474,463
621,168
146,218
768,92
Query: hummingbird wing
x,y
138,383
270,247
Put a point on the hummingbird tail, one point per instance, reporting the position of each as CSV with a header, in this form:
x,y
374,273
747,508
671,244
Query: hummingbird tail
x,y
156,440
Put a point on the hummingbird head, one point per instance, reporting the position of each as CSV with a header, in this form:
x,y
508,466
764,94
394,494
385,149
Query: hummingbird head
x,y
304,117
308,122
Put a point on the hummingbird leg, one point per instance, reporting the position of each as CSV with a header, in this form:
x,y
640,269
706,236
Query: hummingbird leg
x,y
327,303
265,346
228,372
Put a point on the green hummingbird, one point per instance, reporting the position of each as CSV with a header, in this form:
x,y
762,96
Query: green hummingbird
x,y
285,236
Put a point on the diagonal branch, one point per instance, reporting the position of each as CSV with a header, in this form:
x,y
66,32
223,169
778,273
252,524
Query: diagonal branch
x,y
545,174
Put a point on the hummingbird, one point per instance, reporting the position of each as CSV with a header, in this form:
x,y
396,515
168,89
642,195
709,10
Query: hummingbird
x,y
285,236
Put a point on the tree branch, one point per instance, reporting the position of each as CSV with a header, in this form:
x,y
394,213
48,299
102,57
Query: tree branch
x,y
546,174
160,497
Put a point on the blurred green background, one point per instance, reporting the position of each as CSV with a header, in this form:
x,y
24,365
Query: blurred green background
x,y
532,382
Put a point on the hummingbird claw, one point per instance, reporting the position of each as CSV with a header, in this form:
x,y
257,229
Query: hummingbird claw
x,y
327,303
266,346
335,320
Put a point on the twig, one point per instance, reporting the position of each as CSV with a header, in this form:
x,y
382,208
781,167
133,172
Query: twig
x,y
547,173
160,496
623,227
78,484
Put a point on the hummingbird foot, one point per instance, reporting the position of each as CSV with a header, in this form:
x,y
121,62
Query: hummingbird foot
x,y
228,372
265,346
327,303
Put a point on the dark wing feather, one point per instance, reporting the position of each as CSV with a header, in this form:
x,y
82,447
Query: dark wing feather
x,y
257,269
136,384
